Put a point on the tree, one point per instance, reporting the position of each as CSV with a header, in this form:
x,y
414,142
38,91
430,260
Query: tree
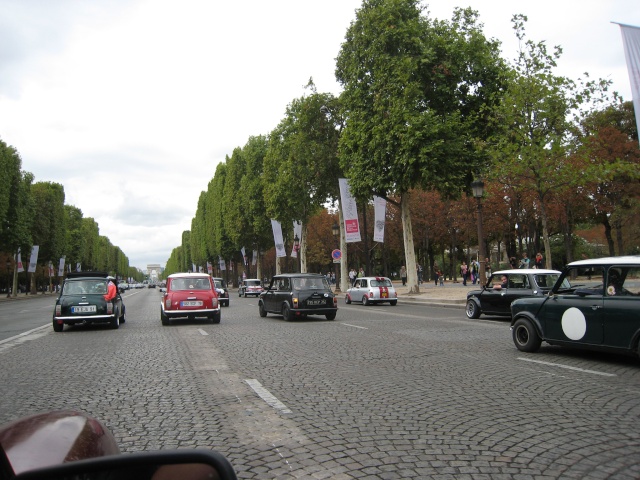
x,y
416,95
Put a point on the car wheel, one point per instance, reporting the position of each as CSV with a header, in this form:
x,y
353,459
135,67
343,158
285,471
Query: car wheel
x,y
473,310
365,301
261,310
347,299
393,303
122,318
115,323
286,313
331,316
525,336
57,327
215,318
163,318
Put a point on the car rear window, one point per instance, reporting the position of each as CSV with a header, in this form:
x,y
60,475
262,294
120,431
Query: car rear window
x,y
384,282
253,283
85,287
179,284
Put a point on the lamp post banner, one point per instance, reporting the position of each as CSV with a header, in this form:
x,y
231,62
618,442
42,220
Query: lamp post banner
x,y
61,266
19,262
33,259
380,208
297,230
631,41
349,212
277,238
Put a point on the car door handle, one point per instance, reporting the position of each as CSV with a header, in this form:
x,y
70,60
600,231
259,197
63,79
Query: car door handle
x,y
595,307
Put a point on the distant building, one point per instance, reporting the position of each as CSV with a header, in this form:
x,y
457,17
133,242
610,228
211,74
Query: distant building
x,y
154,270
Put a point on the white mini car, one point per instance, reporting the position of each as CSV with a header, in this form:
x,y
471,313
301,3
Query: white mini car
x,y
370,290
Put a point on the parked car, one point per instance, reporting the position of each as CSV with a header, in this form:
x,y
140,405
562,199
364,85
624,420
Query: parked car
x,y
191,296
123,286
505,286
369,290
600,310
250,286
82,301
222,290
296,295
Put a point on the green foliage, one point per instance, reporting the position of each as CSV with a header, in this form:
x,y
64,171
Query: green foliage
x,y
48,228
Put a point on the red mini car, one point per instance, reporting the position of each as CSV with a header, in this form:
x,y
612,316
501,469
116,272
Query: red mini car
x,y
191,296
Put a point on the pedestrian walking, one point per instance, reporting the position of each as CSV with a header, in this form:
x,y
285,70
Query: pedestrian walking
x,y
464,270
538,263
403,275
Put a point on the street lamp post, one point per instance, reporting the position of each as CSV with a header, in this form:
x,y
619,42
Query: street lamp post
x,y
478,190
296,247
335,229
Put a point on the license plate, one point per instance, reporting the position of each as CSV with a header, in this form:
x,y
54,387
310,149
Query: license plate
x,y
315,302
191,303
84,309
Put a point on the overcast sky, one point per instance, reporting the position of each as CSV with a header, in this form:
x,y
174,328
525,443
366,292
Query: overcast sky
x,y
131,104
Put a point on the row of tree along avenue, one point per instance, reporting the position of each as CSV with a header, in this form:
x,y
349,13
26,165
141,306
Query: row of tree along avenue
x,y
36,214
427,107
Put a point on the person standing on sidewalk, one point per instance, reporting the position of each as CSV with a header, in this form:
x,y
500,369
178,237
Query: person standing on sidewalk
x,y
463,271
436,272
403,275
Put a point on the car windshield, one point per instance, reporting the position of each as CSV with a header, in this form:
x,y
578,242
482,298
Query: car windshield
x,y
85,287
178,284
381,282
218,283
311,283
548,280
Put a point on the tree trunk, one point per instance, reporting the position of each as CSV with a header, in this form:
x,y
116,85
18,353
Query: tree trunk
x,y
618,226
607,233
545,234
409,252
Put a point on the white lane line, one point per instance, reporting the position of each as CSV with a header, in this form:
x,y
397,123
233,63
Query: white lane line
x,y
354,326
23,334
568,367
202,332
264,394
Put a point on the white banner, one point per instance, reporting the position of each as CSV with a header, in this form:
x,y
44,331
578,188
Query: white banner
x,y
631,40
277,238
349,212
297,230
209,268
33,259
51,272
243,254
20,265
255,257
380,208
78,267
61,266
221,264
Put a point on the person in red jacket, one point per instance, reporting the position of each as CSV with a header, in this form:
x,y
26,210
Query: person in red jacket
x,y
112,290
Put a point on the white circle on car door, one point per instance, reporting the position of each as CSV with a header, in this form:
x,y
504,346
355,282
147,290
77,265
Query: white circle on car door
x,y
574,325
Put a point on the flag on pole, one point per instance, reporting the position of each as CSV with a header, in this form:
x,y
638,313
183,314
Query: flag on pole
x,y
277,238
254,260
61,266
380,208
78,267
209,268
631,41
33,259
221,264
297,230
349,212
20,265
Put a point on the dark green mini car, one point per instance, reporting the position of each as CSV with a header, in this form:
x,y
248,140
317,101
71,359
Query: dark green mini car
x,y
82,301
600,310
296,295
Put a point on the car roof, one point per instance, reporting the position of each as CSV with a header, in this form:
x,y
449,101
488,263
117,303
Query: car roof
x,y
373,278
628,259
298,275
537,271
189,274
252,280
76,275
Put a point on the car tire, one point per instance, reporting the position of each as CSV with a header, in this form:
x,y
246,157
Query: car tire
x,y
365,301
331,316
286,313
115,323
525,336
393,303
57,327
122,318
163,318
347,299
261,310
215,318
472,310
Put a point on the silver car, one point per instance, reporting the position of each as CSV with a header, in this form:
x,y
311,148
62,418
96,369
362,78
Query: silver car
x,y
370,290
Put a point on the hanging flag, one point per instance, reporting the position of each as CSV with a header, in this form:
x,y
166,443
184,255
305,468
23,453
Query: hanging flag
x,y
209,268
61,266
33,259
631,41
78,267
51,272
297,231
242,251
349,212
20,265
254,260
221,264
277,238
380,208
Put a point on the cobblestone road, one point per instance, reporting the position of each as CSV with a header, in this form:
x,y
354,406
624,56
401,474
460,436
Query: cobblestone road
x,y
382,392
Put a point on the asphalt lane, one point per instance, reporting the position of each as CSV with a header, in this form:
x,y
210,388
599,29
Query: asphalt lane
x,y
410,391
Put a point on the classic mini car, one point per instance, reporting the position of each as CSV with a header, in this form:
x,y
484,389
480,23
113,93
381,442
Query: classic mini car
x,y
296,295
73,445
369,290
600,310
222,290
505,286
189,295
250,286
82,301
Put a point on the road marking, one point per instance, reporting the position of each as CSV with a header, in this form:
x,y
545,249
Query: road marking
x,y
568,367
354,326
264,394
202,332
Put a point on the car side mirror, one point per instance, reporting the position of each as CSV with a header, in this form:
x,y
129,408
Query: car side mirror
x,y
195,464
